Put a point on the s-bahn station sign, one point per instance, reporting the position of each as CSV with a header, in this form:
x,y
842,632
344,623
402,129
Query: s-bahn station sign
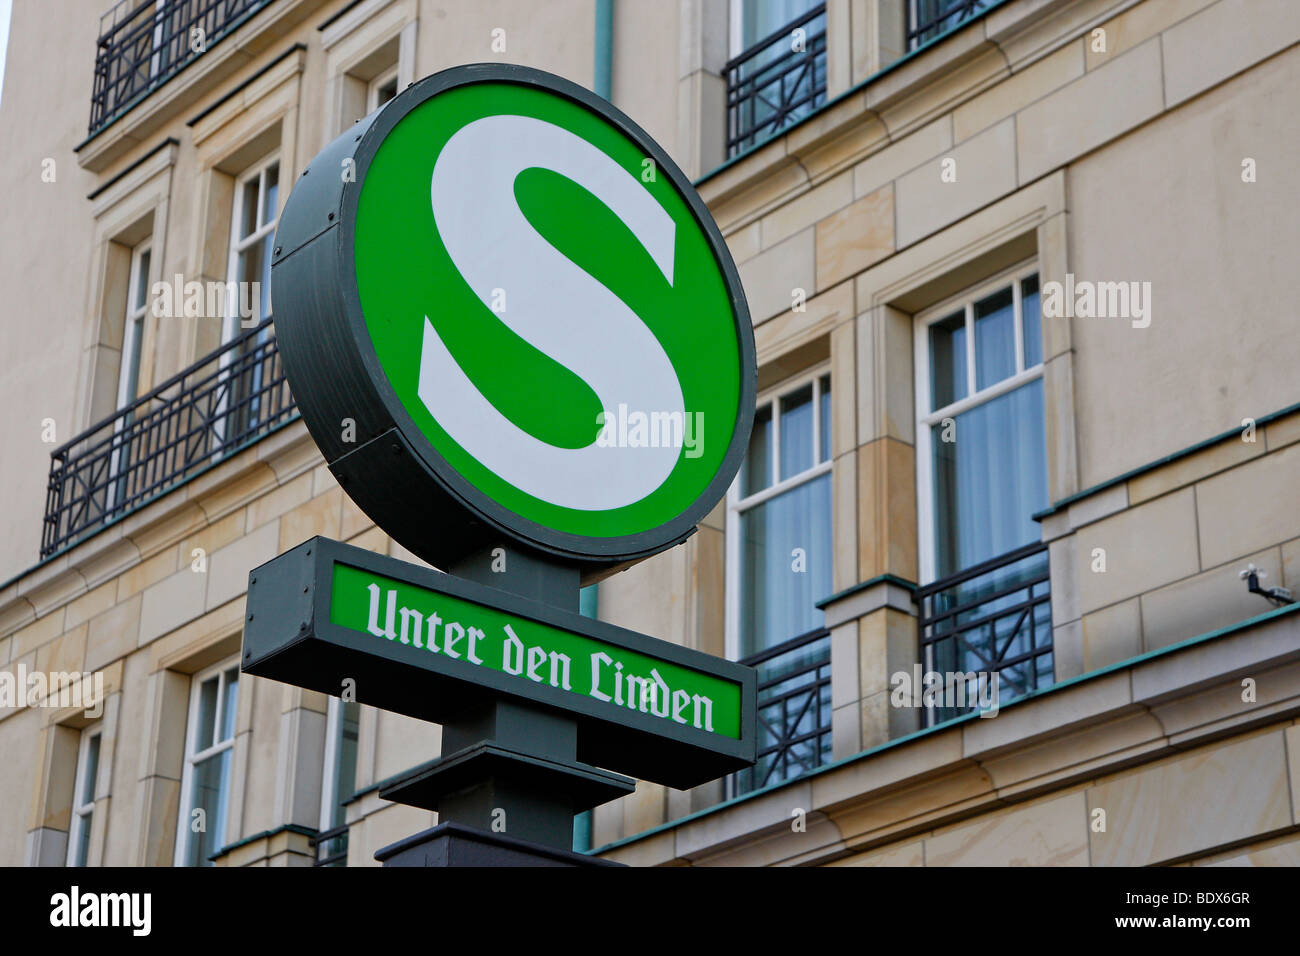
x,y
519,341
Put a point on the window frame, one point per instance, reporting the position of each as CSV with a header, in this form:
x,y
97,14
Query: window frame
x,y
83,814
926,419
190,757
231,322
329,795
377,83
133,321
823,461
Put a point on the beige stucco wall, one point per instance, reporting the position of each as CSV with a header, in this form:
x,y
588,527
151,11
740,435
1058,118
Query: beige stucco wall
x,y
1135,205
42,280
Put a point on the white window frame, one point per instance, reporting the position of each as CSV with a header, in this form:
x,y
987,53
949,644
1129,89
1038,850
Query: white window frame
x,y
132,342
925,418
328,792
231,326
83,814
183,832
133,325
736,505
376,84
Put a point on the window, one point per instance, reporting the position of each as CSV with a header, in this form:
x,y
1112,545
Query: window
x,y
205,780
928,19
137,304
981,475
340,781
83,797
381,89
128,376
257,194
779,567
777,74
248,303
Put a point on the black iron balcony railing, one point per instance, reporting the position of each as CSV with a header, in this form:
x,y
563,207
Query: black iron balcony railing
x,y
144,43
331,847
222,403
777,81
993,618
794,711
927,19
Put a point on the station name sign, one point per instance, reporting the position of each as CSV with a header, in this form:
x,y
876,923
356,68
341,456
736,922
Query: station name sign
x,y
439,623
370,619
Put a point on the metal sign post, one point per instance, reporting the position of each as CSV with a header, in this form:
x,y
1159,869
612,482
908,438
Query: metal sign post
x,y
520,343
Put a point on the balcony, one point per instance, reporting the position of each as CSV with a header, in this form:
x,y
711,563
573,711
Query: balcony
x,y
331,847
216,407
794,711
930,19
993,618
144,44
777,81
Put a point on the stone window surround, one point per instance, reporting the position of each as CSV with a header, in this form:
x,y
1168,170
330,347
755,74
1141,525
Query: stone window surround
x,y
1015,232
162,759
128,209
360,45
250,125
50,822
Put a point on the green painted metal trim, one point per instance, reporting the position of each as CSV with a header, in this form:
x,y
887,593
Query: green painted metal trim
x,y
894,579
851,91
265,835
603,73
1248,624
1160,462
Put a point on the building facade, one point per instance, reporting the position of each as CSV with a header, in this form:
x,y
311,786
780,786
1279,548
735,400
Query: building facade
x,y
1012,544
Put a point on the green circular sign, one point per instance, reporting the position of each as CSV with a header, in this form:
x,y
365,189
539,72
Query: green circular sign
x,y
548,327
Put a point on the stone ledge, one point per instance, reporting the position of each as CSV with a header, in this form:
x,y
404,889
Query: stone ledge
x,y
873,799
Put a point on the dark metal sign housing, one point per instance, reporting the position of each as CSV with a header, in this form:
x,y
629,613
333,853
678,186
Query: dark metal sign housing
x,y
290,635
390,469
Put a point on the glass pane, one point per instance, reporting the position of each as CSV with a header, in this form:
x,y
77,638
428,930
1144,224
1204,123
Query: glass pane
x,y
270,196
796,432
211,787
82,856
761,18
995,339
229,704
826,419
141,280
988,479
87,794
134,339
345,767
387,92
248,209
207,715
757,473
1032,318
948,361
780,585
